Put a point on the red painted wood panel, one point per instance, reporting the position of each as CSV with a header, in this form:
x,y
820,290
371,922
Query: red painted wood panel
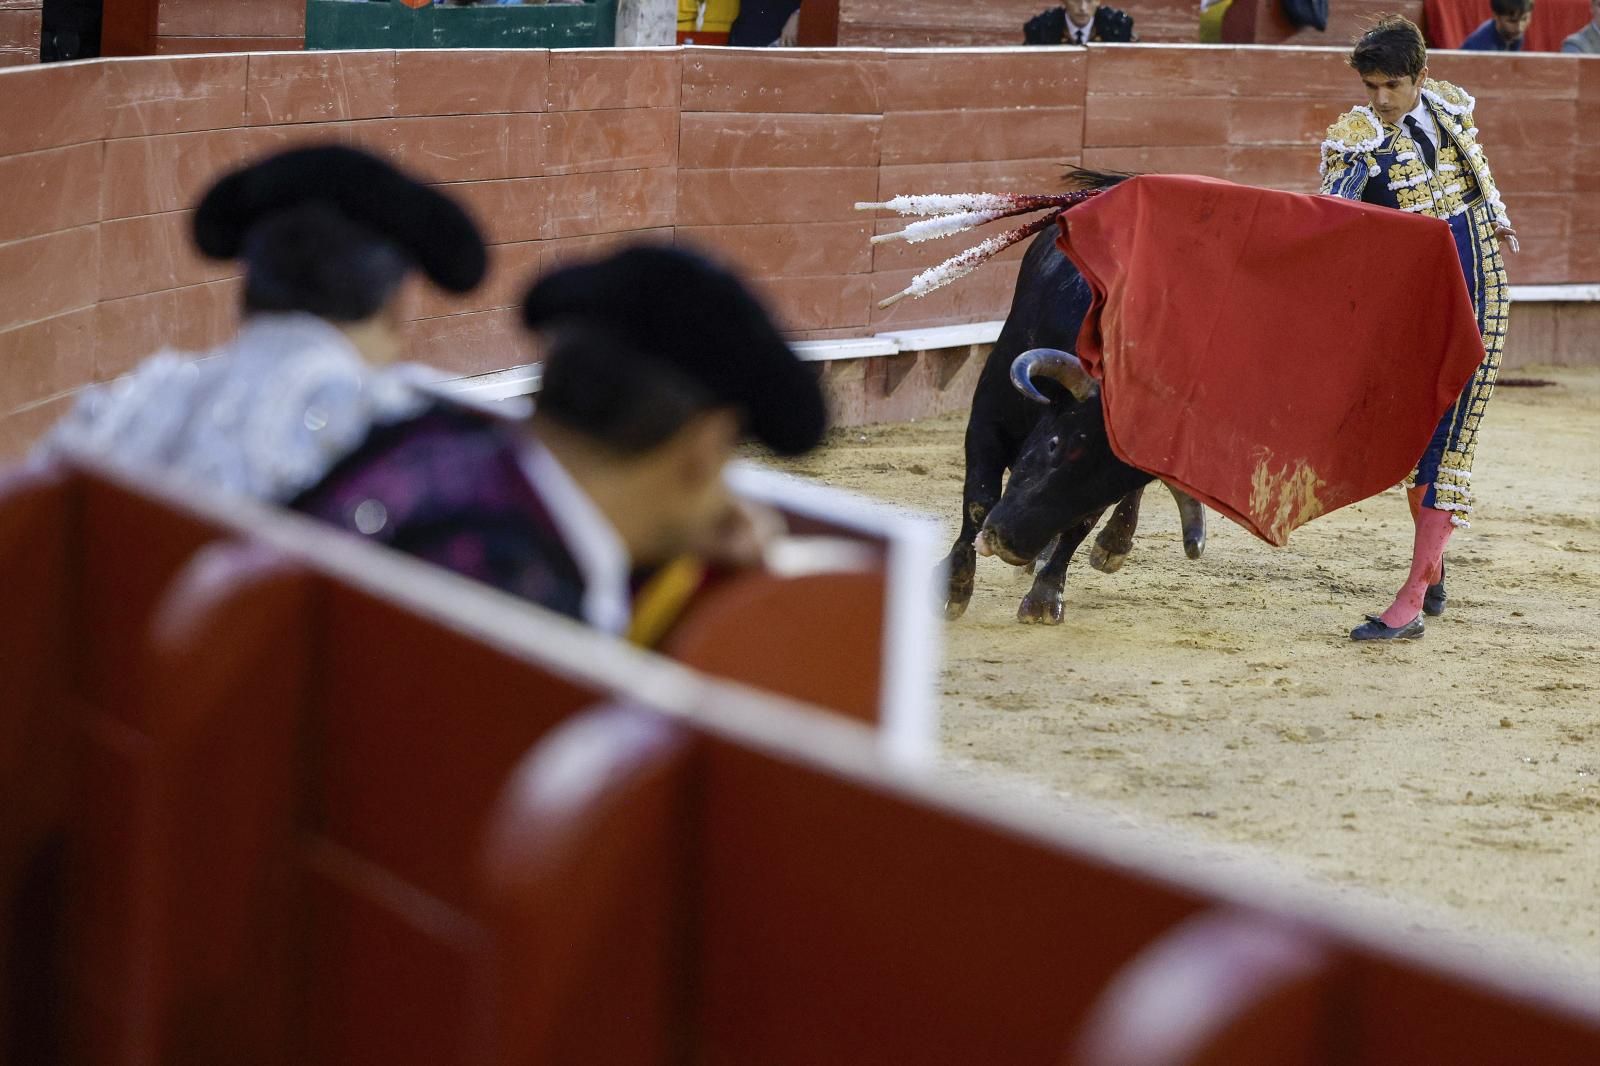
x,y
19,34
757,157
128,27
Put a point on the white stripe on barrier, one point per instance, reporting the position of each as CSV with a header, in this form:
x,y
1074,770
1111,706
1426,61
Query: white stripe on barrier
x,y
912,637
1542,294
524,380
936,337
851,348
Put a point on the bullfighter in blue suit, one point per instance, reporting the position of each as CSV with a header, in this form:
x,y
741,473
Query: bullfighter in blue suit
x,y
1415,148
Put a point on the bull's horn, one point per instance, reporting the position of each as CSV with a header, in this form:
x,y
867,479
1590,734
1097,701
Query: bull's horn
x,y
1059,366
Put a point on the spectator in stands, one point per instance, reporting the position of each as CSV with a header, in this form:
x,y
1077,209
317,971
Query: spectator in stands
x,y
1212,12
706,21
1078,22
1503,32
326,235
646,23
657,363
766,24
1586,40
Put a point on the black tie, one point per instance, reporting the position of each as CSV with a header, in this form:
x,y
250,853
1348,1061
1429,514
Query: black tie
x,y
1424,145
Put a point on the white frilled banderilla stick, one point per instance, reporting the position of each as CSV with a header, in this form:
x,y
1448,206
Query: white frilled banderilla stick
x,y
958,212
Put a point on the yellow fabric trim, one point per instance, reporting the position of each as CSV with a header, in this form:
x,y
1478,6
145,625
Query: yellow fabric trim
x,y
1211,22
1454,95
713,16
662,600
1354,131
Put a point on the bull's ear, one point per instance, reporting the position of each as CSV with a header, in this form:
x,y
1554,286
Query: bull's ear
x,y
1061,367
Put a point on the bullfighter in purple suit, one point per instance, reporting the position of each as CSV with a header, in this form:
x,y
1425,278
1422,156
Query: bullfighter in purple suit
x,y
659,363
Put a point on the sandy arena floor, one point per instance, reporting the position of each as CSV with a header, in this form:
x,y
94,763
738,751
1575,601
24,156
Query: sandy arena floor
x,y
1460,772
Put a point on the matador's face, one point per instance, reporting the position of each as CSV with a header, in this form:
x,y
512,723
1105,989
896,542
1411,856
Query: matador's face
x,y
1393,96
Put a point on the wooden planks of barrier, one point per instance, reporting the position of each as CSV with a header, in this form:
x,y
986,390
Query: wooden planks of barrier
x,y
414,726
68,651
350,808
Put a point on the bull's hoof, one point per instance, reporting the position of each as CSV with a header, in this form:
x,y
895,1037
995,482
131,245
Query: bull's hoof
x,y
959,571
1194,548
1043,608
1105,560
957,595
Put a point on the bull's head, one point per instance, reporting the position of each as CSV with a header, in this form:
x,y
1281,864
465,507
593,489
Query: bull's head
x,y
1066,469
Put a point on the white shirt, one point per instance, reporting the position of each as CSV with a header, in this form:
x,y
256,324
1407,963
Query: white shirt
x,y
1424,118
601,556
1079,34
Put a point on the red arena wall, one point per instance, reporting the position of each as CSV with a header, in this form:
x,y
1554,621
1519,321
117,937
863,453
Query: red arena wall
x,y
19,31
186,26
758,156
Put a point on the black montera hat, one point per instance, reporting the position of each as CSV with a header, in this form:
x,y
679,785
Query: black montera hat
x,y
693,315
429,227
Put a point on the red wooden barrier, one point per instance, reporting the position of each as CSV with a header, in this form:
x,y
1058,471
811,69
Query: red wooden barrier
x,y
564,153
586,866
1222,989
20,25
36,770
313,831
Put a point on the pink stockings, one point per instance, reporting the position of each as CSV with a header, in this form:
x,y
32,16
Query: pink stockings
x,y
1433,529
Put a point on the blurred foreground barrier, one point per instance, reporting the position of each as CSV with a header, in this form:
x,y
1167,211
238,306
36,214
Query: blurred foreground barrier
x,y
132,605
323,804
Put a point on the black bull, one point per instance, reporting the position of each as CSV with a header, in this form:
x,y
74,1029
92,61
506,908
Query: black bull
x,y
1052,437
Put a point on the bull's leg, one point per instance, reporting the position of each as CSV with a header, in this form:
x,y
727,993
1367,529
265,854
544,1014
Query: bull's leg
x,y
1192,513
987,458
1043,601
1042,557
1115,541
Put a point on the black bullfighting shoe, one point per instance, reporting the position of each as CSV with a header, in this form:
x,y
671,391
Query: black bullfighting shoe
x,y
1374,629
1433,599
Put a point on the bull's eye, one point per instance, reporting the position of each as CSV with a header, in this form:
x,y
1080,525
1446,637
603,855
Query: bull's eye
x,y
1054,445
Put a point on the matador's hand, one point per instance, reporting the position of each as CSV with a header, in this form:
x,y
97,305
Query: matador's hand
x,y
742,535
1505,233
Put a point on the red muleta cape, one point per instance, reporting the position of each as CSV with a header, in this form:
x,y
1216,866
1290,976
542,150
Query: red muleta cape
x,y
1275,355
